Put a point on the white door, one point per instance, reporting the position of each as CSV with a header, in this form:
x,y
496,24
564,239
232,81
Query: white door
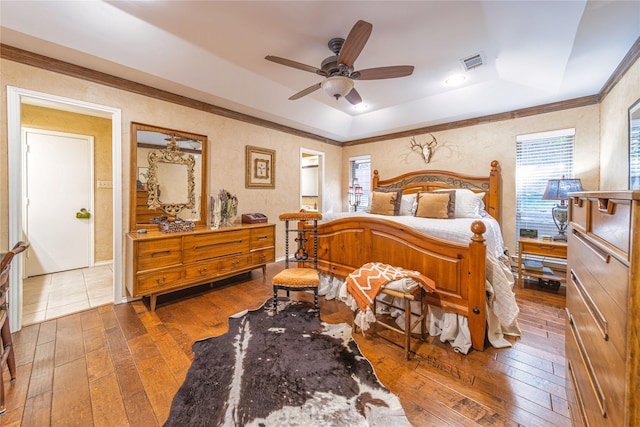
x,y
59,184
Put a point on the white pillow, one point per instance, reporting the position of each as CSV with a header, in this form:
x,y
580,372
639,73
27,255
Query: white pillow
x,y
468,203
408,204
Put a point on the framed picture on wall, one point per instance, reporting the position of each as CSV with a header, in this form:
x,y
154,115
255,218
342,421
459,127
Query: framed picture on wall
x,y
261,168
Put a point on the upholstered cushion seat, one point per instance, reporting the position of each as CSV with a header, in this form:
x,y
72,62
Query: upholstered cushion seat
x,y
297,277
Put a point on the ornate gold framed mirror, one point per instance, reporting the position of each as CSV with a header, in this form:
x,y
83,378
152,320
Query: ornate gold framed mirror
x,y
168,171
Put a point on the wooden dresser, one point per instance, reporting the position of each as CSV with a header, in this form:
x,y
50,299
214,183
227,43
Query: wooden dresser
x,y
158,263
603,308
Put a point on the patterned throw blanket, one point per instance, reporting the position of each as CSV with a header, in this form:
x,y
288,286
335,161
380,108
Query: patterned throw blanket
x,y
365,283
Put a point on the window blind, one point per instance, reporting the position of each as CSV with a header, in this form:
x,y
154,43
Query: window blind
x,y
361,169
540,157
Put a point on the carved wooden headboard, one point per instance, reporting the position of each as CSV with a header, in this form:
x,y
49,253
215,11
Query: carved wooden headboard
x,y
429,180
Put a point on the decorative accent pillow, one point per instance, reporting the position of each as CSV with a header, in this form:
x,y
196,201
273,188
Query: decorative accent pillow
x,y
407,204
440,205
468,204
386,202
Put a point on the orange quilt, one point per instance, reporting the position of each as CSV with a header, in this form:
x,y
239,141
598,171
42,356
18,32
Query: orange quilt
x,y
365,283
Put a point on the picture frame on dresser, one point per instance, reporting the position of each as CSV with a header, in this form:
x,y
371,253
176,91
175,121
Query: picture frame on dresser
x,y
634,146
260,167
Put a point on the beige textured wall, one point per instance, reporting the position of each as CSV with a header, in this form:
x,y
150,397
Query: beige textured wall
x,y
227,139
614,131
467,150
470,151
100,128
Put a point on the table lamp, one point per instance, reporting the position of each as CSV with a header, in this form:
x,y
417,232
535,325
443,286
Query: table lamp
x,y
557,189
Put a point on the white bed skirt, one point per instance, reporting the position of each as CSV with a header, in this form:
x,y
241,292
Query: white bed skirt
x,y
450,327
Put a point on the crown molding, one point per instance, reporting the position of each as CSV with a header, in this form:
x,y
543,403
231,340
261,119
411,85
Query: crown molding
x,y
51,64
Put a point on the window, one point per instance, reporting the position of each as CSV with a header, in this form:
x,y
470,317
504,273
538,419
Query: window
x,y
360,168
634,147
540,157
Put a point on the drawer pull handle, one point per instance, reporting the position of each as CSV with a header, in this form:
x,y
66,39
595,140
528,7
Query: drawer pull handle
x,y
577,201
263,237
202,271
595,384
576,391
211,245
594,311
162,253
604,256
161,281
606,206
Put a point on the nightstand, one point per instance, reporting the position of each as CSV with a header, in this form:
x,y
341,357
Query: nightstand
x,y
542,248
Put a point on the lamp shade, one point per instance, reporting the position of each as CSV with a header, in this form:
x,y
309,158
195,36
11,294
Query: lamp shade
x,y
557,189
337,86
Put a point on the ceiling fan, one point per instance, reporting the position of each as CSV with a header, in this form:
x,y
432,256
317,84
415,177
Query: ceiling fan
x,y
339,70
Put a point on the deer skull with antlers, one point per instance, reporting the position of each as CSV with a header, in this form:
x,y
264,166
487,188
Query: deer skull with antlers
x,y
425,149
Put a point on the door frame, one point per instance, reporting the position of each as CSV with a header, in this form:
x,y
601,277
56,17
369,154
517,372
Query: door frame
x,y
90,141
15,173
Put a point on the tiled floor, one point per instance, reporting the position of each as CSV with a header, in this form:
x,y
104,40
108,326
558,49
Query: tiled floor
x,y
53,295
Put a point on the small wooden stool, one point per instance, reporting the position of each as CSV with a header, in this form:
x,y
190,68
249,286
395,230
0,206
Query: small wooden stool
x,y
417,294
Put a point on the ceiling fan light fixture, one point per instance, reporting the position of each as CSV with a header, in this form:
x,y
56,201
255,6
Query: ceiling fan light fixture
x,y
337,86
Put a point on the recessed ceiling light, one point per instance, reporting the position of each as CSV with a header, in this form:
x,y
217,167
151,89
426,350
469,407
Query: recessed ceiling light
x,y
360,107
455,80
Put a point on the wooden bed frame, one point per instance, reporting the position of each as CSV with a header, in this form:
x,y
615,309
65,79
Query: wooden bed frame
x,y
458,270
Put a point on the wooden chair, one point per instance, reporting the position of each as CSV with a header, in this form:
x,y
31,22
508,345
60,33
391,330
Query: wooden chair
x,y
7,257
7,355
301,277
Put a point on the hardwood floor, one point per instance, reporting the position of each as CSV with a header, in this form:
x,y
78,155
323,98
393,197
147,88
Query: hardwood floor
x,y
119,365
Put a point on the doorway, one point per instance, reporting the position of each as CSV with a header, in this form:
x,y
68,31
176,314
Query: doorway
x,y
311,180
16,163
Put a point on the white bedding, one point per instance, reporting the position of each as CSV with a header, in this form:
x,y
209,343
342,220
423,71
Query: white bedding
x,y
502,310
453,230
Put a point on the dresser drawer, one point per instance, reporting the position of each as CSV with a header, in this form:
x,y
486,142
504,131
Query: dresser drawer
x,y
262,238
158,281
600,378
587,401
611,221
262,257
598,318
234,263
159,253
202,270
607,271
541,248
579,207
200,247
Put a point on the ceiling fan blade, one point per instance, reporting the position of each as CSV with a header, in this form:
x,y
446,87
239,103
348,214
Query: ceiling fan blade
x,y
305,92
353,97
383,72
354,43
294,64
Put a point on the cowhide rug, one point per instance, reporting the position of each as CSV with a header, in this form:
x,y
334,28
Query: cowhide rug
x,y
290,369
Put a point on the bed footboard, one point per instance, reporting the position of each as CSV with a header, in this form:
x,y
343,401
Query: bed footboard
x,y
458,270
